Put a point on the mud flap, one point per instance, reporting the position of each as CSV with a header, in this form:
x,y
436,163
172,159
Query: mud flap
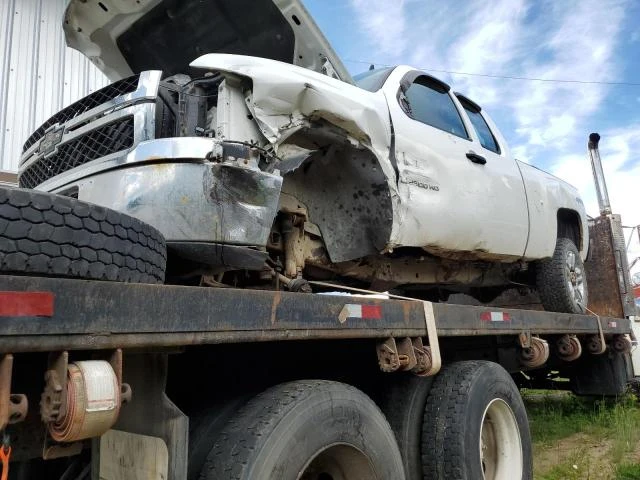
x,y
606,375
151,413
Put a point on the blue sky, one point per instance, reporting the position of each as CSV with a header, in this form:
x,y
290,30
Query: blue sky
x,y
545,123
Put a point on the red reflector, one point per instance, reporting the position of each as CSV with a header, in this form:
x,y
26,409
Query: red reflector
x,y
373,312
26,304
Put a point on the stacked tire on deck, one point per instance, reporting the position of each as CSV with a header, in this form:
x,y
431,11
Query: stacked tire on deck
x,y
53,235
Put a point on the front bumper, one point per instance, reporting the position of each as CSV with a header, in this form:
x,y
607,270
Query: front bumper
x,y
169,184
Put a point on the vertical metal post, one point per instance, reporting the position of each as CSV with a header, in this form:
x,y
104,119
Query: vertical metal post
x,y
598,175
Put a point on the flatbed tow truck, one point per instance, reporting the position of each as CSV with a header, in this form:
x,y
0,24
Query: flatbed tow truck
x,y
190,364
109,380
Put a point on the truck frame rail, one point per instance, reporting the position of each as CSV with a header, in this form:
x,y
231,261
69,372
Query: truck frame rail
x,y
49,314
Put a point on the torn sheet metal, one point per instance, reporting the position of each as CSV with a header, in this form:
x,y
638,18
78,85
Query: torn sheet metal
x,y
295,105
286,97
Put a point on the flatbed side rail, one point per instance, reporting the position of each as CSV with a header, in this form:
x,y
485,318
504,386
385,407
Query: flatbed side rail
x,y
100,315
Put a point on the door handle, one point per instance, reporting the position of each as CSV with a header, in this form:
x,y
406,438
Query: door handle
x,y
475,158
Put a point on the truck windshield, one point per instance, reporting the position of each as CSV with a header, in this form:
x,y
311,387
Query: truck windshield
x,y
373,79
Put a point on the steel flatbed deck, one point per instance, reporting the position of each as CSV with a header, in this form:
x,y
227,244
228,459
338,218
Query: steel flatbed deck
x,y
46,314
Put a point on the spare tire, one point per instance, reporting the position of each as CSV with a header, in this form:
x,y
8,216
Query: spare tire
x,y
47,234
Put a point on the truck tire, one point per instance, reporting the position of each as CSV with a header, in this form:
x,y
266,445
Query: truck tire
x,y
47,234
474,423
403,402
561,280
204,427
311,430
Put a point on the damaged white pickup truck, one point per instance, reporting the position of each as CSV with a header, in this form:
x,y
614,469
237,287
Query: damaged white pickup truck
x,y
268,165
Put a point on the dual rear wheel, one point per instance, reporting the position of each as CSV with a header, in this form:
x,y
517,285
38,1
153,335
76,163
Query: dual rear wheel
x,y
469,423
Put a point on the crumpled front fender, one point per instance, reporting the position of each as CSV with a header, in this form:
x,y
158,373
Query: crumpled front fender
x,y
357,217
285,97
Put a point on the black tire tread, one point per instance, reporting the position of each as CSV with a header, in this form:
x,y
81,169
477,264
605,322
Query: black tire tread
x,y
551,283
449,391
229,457
53,235
403,402
443,433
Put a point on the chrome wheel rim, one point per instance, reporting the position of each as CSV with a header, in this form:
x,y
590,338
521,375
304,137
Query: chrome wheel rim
x,y
501,454
338,462
575,278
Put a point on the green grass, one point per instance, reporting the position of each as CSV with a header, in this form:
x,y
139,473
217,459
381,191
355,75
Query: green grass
x,y
628,471
554,416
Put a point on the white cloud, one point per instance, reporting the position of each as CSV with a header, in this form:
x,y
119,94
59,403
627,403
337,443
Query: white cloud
x,y
565,40
618,151
384,23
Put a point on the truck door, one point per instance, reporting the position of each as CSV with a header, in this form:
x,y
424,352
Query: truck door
x,y
455,194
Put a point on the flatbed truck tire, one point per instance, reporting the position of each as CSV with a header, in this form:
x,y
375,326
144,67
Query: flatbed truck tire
x,y
204,428
53,235
403,401
475,425
307,430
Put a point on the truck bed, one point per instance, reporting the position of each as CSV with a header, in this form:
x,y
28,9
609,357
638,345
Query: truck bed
x,y
46,314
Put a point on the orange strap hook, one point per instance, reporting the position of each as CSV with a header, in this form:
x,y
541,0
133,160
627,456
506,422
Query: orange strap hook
x,y
5,454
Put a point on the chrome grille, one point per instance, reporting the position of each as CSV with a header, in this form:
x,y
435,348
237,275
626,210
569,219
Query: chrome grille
x,y
121,87
105,140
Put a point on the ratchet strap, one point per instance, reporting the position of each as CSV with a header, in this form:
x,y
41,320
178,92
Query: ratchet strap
x,y
429,318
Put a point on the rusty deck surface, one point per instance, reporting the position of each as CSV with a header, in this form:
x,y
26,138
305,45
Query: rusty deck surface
x,y
79,314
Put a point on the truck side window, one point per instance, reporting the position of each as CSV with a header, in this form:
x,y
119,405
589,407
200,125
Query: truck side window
x,y
429,103
487,140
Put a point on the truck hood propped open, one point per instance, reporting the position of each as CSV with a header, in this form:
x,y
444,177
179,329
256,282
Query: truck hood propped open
x,y
122,37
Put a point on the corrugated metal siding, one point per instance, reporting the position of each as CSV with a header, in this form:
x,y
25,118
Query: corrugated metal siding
x,y
39,75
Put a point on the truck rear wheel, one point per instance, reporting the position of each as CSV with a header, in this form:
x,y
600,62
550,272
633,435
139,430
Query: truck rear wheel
x,y
47,234
403,401
307,430
475,425
561,280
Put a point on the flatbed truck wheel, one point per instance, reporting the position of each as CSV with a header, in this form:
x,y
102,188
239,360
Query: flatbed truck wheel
x,y
403,400
475,425
306,430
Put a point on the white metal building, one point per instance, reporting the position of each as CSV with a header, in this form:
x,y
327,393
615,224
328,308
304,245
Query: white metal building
x,y
39,74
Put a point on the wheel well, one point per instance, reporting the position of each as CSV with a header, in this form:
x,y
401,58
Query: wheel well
x,y
346,191
569,226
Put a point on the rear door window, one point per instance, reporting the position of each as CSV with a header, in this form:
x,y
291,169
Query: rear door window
x,y
428,102
487,139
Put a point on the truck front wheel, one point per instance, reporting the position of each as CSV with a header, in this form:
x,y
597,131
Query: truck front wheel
x,y
307,430
475,425
561,280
